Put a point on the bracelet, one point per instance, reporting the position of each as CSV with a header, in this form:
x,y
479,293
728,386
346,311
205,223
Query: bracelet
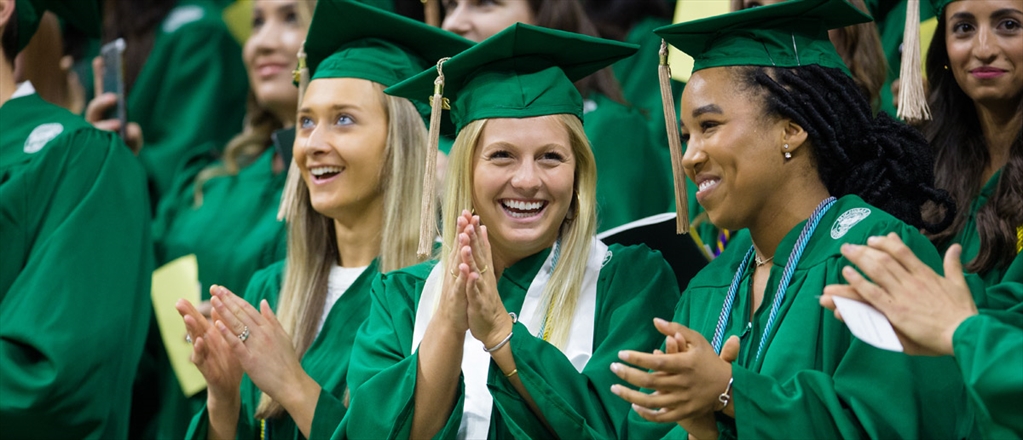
x,y
725,397
514,372
506,338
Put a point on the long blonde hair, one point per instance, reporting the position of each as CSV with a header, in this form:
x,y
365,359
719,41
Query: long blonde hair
x,y
312,247
260,124
562,290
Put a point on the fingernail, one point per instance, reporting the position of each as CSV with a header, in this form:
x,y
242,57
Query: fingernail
x,y
623,355
614,366
660,321
614,389
873,240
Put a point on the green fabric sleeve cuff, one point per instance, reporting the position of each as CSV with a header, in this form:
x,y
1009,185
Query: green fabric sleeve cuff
x,y
199,428
535,371
328,415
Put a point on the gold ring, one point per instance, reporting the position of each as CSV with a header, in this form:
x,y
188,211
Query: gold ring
x,y
452,272
484,270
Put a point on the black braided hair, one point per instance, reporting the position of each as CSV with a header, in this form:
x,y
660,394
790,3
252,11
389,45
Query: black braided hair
x,y
886,163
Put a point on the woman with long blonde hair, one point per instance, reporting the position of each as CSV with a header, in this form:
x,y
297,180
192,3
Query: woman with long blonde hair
x,y
224,211
440,355
351,204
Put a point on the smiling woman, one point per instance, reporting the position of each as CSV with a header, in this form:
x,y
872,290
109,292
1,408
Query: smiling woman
x,y
245,185
351,204
440,355
975,70
781,143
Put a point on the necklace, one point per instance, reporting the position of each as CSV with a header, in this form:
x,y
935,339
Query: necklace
x,y
783,284
759,261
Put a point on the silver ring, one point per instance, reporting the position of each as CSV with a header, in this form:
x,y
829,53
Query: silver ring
x,y
245,334
188,338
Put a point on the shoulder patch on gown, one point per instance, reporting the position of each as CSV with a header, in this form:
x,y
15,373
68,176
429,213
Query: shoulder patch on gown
x,y
847,220
41,135
182,16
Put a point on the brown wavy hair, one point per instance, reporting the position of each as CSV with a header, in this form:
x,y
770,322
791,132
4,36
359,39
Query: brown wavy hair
x,y
961,156
260,124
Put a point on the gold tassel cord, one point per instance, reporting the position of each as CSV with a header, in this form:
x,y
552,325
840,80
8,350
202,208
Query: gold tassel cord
x,y
912,98
428,215
431,12
302,74
674,143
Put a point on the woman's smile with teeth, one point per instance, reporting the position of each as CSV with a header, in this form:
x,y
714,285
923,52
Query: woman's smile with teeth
x,y
324,171
707,184
522,208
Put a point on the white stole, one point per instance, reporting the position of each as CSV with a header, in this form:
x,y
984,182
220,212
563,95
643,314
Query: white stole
x,y
476,362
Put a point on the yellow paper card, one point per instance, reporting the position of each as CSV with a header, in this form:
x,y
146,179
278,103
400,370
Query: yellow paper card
x,y
689,10
175,280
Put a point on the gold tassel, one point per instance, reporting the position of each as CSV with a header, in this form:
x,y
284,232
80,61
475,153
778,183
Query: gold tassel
x,y
288,198
428,216
674,143
431,12
302,74
912,98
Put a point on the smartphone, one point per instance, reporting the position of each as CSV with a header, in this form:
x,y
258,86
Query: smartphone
x,y
113,80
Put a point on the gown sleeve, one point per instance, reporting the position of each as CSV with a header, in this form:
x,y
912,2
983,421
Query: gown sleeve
x,y
636,287
990,356
382,375
74,289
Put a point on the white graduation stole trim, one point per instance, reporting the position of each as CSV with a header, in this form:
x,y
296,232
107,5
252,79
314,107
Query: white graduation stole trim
x,y
476,362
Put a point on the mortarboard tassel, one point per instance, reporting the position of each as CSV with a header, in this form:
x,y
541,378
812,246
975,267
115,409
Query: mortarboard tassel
x,y
674,143
288,199
912,99
428,219
301,74
431,12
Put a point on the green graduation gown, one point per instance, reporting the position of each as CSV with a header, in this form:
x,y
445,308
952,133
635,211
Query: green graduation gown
x,y
990,354
327,360
969,236
233,234
634,286
989,350
74,276
814,379
628,187
190,96
235,231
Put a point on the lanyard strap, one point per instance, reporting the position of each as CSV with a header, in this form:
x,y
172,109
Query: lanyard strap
x,y
779,296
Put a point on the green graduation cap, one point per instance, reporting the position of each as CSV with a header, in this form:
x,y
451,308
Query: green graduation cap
x,y
520,72
348,39
939,5
788,34
83,14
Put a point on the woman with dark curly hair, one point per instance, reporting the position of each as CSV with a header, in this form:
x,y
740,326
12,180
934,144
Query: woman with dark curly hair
x,y
782,143
975,71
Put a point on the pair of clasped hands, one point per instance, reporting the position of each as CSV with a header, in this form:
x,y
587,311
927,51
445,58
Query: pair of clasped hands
x,y
687,380
267,354
469,298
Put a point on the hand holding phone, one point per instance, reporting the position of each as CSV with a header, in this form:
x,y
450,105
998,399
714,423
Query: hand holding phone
x,y
107,111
